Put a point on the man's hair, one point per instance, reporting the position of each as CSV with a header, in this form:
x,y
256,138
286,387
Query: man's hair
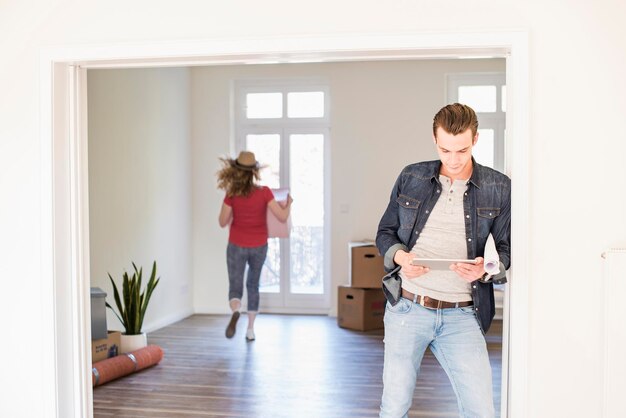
x,y
455,118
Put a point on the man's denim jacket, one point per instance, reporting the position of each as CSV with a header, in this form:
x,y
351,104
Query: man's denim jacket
x,y
487,209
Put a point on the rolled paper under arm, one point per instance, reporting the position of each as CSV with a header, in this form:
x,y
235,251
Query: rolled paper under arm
x,y
492,259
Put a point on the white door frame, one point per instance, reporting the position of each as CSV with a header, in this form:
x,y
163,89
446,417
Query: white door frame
x,y
65,241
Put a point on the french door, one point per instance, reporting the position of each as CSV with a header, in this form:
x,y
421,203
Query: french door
x,y
295,277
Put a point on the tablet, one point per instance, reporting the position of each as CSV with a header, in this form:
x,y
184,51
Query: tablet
x,y
439,263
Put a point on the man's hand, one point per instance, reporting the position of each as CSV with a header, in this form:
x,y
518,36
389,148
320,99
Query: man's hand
x,y
469,272
402,258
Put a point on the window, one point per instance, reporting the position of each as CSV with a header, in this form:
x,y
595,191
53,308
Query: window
x,y
486,94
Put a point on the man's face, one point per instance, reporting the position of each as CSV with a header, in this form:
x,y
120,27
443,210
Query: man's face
x,y
455,153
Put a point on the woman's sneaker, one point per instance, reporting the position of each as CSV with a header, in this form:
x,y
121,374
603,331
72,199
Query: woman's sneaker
x,y
232,325
250,335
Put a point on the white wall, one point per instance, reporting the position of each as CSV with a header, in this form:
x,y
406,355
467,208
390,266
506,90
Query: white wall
x,y
578,96
375,107
140,185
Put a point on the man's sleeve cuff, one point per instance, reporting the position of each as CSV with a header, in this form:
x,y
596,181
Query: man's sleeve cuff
x,y
391,252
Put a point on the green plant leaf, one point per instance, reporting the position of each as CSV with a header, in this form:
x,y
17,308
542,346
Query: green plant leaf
x,y
152,282
133,304
118,302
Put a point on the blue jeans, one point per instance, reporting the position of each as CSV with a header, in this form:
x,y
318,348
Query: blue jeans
x,y
454,338
236,260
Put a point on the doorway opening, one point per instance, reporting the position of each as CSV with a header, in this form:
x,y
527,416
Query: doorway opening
x,y
66,222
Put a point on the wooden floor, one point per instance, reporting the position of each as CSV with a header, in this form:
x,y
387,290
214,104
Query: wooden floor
x,y
299,367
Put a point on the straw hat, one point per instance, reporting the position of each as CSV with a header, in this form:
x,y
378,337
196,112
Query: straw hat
x,y
246,161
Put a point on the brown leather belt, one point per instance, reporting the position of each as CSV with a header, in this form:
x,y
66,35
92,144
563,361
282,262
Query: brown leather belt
x,y
430,303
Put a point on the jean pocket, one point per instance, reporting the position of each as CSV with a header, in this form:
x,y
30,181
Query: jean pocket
x,y
403,306
468,310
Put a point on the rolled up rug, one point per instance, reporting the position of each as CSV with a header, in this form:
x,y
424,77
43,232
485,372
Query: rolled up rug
x,y
115,367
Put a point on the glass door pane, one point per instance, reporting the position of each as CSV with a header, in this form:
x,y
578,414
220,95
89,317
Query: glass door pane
x,y
308,104
306,166
479,98
266,148
484,151
264,105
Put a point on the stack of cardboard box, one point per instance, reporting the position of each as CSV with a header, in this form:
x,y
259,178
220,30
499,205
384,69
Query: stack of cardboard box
x,y
104,348
361,305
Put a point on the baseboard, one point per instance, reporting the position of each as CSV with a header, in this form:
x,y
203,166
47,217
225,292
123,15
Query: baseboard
x,y
294,311
225,311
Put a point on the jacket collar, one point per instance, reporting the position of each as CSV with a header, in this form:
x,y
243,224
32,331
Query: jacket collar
x,y
475,178
477,171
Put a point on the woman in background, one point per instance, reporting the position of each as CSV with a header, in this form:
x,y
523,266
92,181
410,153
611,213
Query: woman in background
x,y
245,209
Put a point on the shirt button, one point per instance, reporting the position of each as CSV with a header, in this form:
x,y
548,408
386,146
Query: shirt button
x,y
467,216
469,239
427,211
438,190
465,194
490,213
477,309
474,286
407,203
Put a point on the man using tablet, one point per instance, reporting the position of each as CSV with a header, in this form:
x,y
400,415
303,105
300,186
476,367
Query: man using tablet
x,y
443,209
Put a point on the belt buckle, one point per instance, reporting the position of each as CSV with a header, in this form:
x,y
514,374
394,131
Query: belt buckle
x,y
424,304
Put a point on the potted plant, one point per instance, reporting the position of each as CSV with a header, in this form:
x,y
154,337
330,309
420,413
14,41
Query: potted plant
x,y
132,307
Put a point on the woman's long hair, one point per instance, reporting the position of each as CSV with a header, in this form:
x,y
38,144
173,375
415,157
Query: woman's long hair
x,y
236,181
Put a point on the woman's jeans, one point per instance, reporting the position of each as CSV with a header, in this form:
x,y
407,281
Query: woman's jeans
x,y
236,259
454,338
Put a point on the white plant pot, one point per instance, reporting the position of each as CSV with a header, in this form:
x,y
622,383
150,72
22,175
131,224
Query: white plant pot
x,y
133,342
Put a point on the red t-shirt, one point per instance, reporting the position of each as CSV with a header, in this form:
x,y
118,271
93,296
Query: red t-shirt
x,y
249,225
